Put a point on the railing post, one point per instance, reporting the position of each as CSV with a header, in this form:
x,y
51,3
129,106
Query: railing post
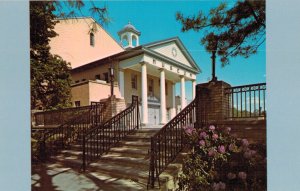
x,y
42,149
83,153
137,113
152,167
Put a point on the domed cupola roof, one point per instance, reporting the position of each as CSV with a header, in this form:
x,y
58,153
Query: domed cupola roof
x,y
129,28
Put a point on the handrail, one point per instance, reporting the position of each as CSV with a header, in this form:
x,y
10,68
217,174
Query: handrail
x,y
168,142
58,138
247,101
101,138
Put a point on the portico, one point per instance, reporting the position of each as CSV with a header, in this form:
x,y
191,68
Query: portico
x,y
156,77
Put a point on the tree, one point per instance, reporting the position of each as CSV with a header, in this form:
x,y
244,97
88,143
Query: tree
x,y
231,32
50,74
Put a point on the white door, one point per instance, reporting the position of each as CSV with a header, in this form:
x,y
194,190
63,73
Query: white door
x,y
153,115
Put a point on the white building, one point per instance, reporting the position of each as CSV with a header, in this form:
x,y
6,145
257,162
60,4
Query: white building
x,y
149,71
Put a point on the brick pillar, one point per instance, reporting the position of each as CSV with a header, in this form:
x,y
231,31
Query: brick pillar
x,y
110,108
212,103
113,106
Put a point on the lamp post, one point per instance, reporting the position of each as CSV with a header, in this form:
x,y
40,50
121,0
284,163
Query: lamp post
x,y
111,73
213,57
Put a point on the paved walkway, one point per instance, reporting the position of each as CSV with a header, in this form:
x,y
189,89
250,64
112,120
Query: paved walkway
x,y
52,177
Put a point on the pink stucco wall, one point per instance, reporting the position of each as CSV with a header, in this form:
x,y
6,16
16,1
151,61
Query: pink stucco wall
x,y
73,42
89,91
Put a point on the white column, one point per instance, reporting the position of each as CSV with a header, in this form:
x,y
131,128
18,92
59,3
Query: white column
x,y
182,92
129,40
193,89
144,94
173,108
162,97
121,82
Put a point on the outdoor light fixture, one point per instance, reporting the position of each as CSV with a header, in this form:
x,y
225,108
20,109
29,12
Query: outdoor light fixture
x,y
111,72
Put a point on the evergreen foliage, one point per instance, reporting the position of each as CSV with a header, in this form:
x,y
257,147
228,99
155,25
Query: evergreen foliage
x,y
231,32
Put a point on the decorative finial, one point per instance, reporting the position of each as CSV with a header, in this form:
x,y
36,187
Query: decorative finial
x,y
129,22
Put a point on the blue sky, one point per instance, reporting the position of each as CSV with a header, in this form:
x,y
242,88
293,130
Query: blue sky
x,y
156,21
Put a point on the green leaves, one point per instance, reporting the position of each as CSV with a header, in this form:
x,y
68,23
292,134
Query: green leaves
x,y
50,74
231,32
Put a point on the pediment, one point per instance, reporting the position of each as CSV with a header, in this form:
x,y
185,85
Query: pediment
x,y
174,49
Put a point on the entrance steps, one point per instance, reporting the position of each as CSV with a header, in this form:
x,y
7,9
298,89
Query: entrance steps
x,y
125,166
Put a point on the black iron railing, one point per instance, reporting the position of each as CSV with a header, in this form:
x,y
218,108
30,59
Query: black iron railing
x,y
246,101
55,139
167,143
102,137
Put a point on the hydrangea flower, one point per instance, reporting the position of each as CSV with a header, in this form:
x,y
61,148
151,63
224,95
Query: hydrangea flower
x,y
231,176
231,147
245,142
211,152
227,130
219,186
222,186
242,175
201,143
189,130
211,127
203,135
215,136
249,153
215,186
221,149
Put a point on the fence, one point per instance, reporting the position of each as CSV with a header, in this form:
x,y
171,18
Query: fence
x,y
246,101
79,120
60,116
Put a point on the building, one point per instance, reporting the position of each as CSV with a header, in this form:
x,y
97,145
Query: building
x,y
149,71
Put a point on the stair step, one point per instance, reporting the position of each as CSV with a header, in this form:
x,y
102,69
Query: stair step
x,y
71,152
129,150
120,171
136,144
118,158
138,138
71,161
112,183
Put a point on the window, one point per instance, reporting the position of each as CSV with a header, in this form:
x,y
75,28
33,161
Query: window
x,y
76,81
83,80
134,81
77,103
151,87
92,39
97,77
106,76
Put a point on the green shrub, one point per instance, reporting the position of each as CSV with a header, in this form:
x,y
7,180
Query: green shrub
x,y
219,161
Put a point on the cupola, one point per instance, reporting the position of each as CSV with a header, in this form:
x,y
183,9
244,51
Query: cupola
x,y
129,36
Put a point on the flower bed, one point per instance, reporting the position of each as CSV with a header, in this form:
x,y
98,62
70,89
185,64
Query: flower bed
x,y
219,161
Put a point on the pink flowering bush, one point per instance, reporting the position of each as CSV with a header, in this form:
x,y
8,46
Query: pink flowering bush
x,y
219,161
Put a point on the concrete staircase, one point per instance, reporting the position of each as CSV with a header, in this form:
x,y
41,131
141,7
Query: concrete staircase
x,y
125,166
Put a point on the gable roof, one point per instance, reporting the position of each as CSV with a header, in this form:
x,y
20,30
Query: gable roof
x,y
179,43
